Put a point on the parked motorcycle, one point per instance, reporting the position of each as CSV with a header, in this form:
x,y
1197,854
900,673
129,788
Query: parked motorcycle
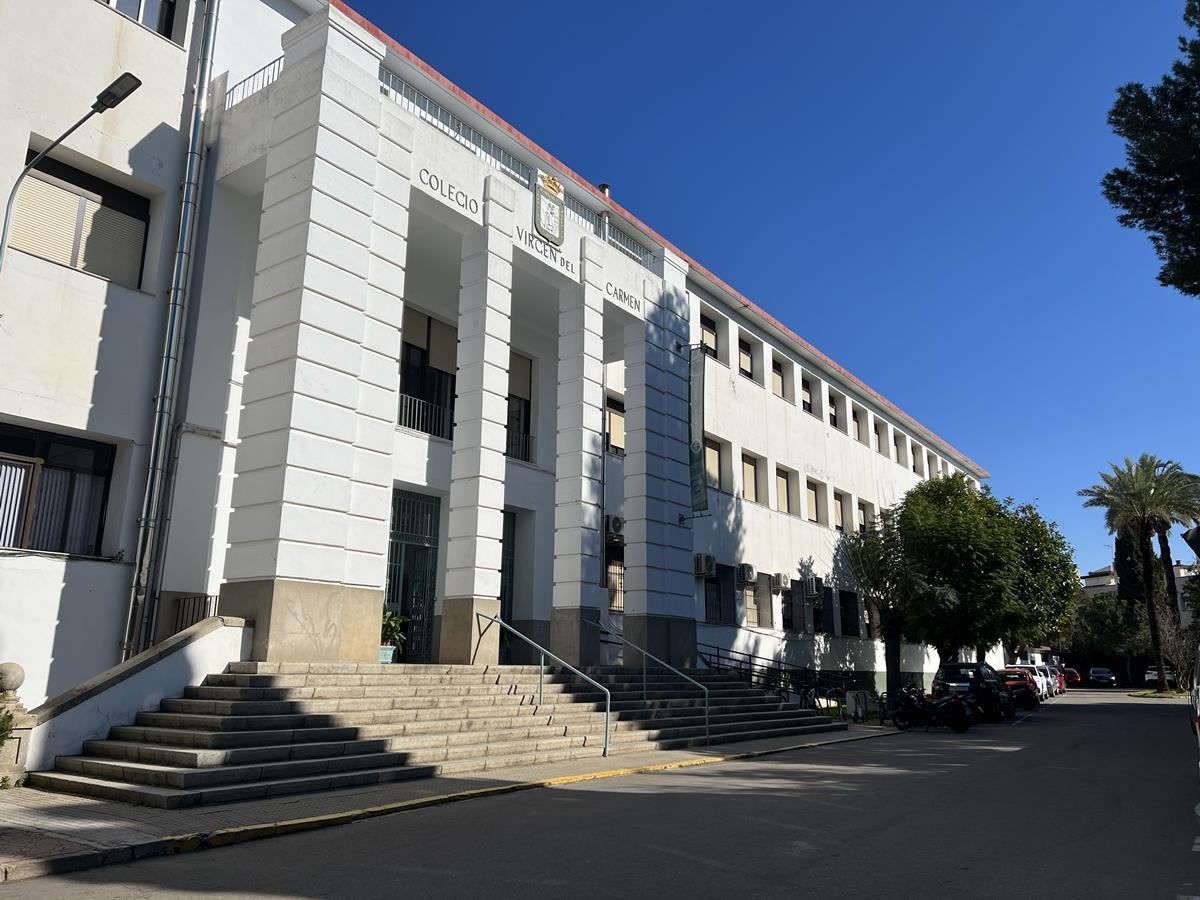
x,y
915,710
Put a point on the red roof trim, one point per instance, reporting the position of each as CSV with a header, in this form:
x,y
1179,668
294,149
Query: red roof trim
x,y
530,145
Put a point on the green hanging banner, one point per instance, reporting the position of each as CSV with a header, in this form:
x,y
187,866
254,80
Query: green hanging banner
x,y
696,430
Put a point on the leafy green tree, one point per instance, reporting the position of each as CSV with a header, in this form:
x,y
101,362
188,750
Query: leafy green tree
x,y
1045,586
1106,626
1135,498
876,561
960,555
1127,566
1158,189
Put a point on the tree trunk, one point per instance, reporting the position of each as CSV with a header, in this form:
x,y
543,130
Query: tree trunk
x,y
892,626
1147,551
1164,555
980,654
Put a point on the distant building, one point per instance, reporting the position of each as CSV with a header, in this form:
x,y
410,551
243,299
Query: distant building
x,y
1104,581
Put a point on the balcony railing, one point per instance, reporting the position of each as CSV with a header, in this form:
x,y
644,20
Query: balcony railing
x,y
519,446
426,418
253,83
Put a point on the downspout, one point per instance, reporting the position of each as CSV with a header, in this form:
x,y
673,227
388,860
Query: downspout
x,y
149,540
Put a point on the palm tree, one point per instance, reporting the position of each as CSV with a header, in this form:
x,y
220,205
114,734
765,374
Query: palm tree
x,y
1137,498
1186,509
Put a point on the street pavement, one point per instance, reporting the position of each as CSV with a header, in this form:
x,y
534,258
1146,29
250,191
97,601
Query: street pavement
x,y
1093,795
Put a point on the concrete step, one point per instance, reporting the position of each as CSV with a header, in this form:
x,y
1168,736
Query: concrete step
x,y
189,757
223,740
175,798
188,778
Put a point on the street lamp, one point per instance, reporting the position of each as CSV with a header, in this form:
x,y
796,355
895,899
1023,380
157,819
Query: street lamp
x,y
125,85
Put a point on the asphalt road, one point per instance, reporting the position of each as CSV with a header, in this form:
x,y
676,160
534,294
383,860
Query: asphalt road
x,y
1094,795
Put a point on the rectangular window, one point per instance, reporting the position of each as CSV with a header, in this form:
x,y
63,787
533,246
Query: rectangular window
x,y
519,439
750,599
814,514
53,491
614,431
806,395
750,478
720,600
745,358
783,491
77,220
862,518
851,620
833,411
157,15
839,502
826,610
856,422
712,463
777,377
614,554
787,602
708,336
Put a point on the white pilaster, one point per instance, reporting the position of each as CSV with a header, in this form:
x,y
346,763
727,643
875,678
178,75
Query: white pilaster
x,y
307,555
477,466
659,603
578,529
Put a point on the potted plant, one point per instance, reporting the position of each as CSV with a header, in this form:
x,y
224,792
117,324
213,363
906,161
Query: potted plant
x,y
391,635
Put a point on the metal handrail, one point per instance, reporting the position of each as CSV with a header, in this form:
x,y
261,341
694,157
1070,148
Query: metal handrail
x,y
542,670
647,654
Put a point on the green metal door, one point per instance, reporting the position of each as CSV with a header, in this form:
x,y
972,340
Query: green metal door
x,y
412,569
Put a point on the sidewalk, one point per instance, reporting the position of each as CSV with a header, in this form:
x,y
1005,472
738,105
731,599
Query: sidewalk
x,y
43,833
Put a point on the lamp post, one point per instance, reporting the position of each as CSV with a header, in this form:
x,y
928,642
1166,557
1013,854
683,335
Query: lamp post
x,y
125,84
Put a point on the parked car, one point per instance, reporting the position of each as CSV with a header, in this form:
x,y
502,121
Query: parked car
x,y
1051,681
1100,676
978,682
1039,677
1022,687
1059,678
1074,679
1152,676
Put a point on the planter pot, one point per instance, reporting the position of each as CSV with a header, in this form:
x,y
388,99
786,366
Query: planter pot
x,y
387,653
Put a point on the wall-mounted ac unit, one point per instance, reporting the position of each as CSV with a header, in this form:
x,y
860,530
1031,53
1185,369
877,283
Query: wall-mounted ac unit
x,y
704,565
746,573
614,526
780,582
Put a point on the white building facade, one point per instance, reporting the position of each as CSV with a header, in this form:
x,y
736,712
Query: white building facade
x,y
425,367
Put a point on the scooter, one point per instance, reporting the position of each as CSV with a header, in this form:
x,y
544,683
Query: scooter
x,y
914,710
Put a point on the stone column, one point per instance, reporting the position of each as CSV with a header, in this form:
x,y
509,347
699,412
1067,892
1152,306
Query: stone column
x,y
308,531
578,530
14,719
480,417
659,604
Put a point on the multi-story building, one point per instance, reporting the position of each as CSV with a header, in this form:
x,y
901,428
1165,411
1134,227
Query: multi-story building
x,y
424,365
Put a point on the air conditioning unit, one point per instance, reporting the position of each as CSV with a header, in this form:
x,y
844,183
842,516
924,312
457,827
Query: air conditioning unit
x,y
746,573
780,582
614,526
704,565
813,586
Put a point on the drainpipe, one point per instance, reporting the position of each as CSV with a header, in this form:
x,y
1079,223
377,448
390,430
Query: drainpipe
x,y
149,541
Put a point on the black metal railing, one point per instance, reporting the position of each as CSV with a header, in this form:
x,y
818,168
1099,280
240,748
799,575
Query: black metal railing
x,y
193,609
425,417
771,674
519,446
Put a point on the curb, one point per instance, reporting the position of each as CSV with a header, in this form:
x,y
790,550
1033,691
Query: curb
x,y
225,837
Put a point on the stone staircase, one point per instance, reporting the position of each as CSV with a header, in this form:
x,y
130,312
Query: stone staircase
x,y
266,729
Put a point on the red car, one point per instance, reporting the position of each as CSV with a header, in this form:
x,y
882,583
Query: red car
x,y
1074,679
1060,678
1022,687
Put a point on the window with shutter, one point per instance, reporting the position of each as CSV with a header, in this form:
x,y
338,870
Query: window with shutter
x,y
69,217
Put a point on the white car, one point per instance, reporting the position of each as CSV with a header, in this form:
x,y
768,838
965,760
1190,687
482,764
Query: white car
x,y
1039,675
1051,680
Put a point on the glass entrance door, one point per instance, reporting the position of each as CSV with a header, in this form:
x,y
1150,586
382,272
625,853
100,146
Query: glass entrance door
x,y
412,570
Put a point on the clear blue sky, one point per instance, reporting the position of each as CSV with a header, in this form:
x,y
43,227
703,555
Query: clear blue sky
x,y
913,187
